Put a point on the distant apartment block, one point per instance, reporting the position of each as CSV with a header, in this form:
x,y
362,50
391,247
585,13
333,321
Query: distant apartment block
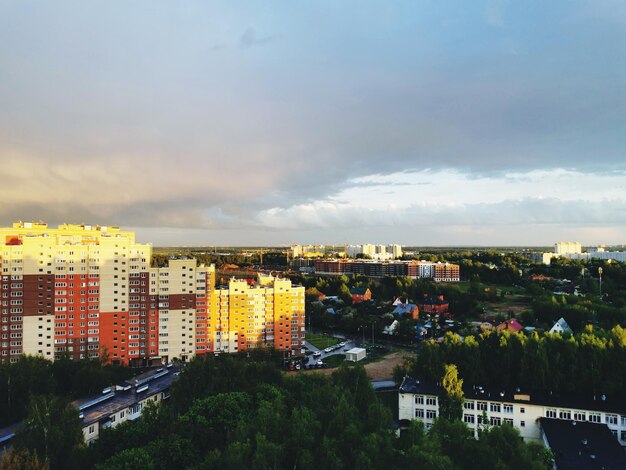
x,y
377,252
89,291
414,269
573,251
307,251
566,248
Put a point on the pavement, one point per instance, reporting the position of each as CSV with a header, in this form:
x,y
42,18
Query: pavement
x,y
349,345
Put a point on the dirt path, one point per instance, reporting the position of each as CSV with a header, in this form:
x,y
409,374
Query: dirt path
x,y
383,369
379,370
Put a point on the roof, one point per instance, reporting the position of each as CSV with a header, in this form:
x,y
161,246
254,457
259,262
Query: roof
x,y
433,300
355,351
358,290
119,400
582,445
510,325
561,326
404,308
613,404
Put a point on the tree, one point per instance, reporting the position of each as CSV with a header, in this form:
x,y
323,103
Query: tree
x,y
53,429
451,406
21,459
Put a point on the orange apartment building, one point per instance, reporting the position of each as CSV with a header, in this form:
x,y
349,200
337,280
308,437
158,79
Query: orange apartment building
x,y
88,291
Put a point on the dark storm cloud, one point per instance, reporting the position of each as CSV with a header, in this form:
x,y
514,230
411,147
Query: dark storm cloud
x,y
117,110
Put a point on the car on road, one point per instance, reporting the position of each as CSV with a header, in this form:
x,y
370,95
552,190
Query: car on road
x,y
317,354
327,350
342,344
319,364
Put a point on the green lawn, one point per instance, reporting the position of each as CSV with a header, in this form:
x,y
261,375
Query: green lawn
x,y
321,341
335,360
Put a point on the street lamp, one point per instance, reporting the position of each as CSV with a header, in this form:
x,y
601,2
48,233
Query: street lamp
x,y
600,275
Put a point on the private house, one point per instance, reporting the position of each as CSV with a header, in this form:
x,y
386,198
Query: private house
x,y
433,304
561,327
360,294
512,326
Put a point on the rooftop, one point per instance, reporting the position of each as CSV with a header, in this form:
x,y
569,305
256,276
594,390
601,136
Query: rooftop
x,y
613,404
583,445
98,407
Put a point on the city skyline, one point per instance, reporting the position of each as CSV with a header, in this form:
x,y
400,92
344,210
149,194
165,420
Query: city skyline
x,y
236,124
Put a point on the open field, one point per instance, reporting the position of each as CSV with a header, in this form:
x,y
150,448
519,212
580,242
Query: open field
x,y
380,368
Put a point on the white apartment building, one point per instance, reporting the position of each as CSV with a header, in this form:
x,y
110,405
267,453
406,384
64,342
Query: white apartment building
x,y
566,248
375,252
420,400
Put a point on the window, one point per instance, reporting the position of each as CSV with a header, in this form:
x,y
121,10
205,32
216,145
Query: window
x,y
495,421
550,413
468,405
495,407
419,400
622,435
611,419
481,406
595,417
92,429
565,414
508,409
522,410
579,415
522,424
431,401
419,414
469,419
508,421
430,414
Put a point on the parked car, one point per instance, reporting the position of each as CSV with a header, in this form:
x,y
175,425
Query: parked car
x,y
327,350
342,344
317,354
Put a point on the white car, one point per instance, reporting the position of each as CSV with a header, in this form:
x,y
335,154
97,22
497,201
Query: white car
x,y
317,354
327,350
342,344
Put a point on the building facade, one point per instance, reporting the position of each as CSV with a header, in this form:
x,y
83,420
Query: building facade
x,y
89,291
420,400
441,272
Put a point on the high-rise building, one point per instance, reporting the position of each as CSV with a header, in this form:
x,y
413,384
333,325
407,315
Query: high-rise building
x,y
566,248
89,291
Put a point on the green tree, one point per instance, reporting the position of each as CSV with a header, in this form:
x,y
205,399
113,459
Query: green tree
x,y
53,429
451,402
21,459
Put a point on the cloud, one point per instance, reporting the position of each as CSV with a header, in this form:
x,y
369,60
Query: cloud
x,y
250,38
152,131
495,13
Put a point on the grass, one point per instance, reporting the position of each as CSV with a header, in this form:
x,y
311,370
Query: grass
x,y
321,341
335,360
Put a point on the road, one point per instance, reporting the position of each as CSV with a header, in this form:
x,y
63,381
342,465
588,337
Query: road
x,y
349,345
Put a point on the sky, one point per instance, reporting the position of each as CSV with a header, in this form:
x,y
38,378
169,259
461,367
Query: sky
x,y
265,123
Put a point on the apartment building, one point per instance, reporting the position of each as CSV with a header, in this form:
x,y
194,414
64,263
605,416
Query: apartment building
x,y
89,291
441,272
268,312
420,400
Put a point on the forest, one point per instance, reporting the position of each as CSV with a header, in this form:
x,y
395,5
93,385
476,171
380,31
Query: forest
x,y
240,412
62,378
591,362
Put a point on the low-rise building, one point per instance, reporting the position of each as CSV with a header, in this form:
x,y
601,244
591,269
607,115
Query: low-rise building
x,y
124,402
578,444
522,410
